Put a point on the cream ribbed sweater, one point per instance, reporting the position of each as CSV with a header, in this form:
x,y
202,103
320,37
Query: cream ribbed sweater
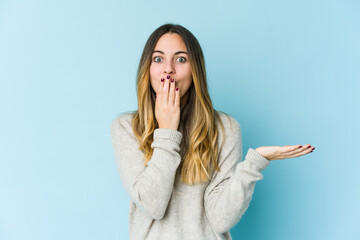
x,y
161,207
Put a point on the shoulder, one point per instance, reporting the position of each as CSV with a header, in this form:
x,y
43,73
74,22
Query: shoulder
x,y
229,140
231,136
122,122
230,124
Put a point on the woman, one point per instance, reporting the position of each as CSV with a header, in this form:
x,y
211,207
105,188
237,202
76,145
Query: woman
x,y
178,158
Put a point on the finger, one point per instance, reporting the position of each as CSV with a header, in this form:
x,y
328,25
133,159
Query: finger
x,y
288,151
288,148
177,97
308,150
302,152
300,148
160,89
295,148
165,92
172,92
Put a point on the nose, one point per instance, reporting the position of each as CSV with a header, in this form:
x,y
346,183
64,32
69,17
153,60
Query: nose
x,y
169,68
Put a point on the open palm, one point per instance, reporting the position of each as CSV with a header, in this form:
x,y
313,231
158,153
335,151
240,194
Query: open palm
x,y
283,152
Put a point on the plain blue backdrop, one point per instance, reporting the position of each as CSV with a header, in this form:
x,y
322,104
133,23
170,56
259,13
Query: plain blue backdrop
x,y
288,71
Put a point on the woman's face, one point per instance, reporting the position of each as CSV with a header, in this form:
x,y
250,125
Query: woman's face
x,y
170,58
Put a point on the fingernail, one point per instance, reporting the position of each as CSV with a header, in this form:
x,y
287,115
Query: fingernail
x,y
162,79
177,89
168,76
155,96
300,146
172,80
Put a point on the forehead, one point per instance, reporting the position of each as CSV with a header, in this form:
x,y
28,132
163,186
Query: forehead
x,y
170,42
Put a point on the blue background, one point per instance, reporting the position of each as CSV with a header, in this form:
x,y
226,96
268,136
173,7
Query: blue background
x,y
288,71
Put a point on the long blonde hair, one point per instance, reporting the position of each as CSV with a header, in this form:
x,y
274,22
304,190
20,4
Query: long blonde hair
x,y
200,132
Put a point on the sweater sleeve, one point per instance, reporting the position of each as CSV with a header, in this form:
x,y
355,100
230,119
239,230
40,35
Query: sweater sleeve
x,y
150,187
228,195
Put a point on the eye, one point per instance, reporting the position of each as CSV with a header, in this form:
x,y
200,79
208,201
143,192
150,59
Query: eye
x,y
157,59
181,59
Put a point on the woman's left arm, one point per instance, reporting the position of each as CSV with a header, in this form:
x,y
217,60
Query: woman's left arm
x,y
228,195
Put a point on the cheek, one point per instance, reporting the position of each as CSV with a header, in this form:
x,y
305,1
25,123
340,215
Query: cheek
x,y
155,84
152,84
188,75
185,85
153,78
152,72
188,79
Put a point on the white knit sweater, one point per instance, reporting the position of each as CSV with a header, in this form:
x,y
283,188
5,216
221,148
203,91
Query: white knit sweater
x,y
162,207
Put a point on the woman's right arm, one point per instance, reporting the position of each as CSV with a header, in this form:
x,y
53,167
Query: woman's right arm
x,y
150,187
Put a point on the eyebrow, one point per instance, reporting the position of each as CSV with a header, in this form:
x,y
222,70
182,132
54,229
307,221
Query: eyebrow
x,y
179,52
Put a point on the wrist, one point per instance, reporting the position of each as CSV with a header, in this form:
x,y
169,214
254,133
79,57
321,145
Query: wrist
x,y
262,154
